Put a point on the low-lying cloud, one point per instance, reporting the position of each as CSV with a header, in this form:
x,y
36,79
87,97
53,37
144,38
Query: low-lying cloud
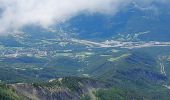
x,y
15,14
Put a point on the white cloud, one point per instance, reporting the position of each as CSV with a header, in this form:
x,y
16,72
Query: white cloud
x,y
19,13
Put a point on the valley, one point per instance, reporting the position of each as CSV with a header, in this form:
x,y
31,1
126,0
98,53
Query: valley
x,y
89,56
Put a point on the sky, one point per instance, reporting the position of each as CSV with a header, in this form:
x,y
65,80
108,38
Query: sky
x,y
15,14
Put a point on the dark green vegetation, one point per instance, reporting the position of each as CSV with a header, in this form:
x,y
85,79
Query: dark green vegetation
x,y
7,93
118,94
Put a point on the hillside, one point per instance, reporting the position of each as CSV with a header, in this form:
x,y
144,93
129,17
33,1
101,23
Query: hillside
x,y
69,88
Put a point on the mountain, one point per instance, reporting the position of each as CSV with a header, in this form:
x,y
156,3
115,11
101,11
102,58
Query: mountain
x,y
151,22
125,56
69,88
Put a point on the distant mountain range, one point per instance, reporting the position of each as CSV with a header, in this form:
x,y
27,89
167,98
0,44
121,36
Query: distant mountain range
x,y
134,19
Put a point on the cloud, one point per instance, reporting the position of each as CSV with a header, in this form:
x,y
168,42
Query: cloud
x,y
15,14
19,13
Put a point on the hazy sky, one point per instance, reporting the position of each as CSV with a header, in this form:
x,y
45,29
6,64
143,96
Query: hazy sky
x,y
16,14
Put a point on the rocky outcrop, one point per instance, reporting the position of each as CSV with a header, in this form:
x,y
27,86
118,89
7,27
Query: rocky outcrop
x,y
59,89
